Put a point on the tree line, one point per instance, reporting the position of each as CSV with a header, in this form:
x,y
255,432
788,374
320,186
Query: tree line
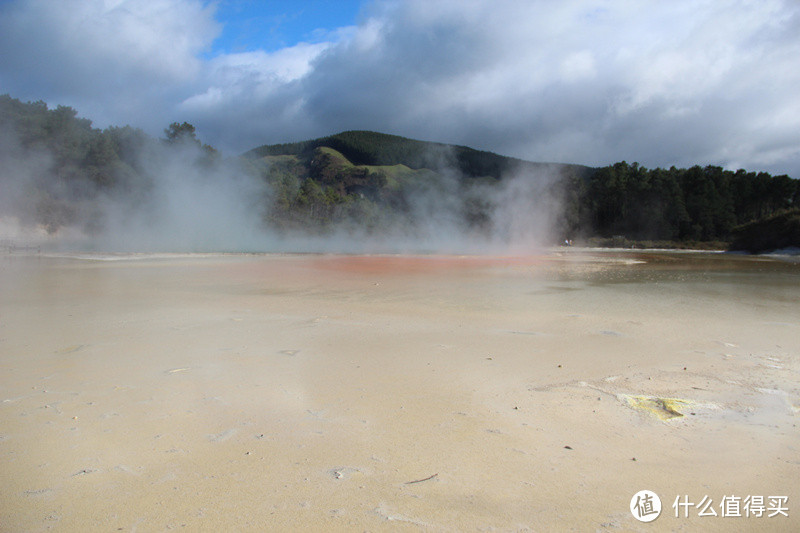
x,y
676,204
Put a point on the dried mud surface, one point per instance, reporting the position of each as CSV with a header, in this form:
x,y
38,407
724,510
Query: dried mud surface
x,y
370,393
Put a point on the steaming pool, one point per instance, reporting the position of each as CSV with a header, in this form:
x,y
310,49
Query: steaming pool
x,y
146,392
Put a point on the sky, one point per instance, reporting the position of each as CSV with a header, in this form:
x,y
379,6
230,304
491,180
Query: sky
x,y
594,82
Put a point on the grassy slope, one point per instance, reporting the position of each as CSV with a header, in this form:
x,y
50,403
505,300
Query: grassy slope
x,y
382,150
395,174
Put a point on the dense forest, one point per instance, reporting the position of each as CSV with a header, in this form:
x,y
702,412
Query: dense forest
x,y
683,205
375,181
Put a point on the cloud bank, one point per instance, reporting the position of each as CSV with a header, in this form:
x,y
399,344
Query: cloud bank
x,y
584,81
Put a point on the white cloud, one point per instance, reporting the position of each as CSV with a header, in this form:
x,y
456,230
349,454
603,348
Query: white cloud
x,y
251,75
588,81
111,59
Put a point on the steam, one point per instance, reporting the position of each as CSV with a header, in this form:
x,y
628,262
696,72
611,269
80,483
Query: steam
x,y
185,208
517,214
188,204
526,211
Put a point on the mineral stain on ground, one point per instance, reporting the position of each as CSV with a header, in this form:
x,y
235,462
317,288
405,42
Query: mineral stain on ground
x,y
661,408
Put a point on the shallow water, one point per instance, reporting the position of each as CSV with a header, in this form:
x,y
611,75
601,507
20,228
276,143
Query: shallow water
x,y
275,392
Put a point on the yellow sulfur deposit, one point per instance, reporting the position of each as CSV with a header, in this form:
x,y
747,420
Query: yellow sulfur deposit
x,y
663,408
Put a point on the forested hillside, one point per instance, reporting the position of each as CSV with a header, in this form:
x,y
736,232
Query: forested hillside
x,y
619,203
377,183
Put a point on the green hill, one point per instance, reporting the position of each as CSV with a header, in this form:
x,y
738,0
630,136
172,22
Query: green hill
x,y
381,181
380,149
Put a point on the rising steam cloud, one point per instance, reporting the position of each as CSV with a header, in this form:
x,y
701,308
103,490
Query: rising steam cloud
x,y
185,206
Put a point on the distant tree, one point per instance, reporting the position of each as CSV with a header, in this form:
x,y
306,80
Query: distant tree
x,y
181,133
101,159
184,134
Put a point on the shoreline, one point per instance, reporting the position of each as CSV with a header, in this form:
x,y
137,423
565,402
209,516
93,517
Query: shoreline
x,y
554,250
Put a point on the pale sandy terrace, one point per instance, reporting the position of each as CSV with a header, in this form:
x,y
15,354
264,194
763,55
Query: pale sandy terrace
x,y
304,392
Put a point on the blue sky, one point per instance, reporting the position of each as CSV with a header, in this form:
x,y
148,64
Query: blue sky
x,y
594,82
250,25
